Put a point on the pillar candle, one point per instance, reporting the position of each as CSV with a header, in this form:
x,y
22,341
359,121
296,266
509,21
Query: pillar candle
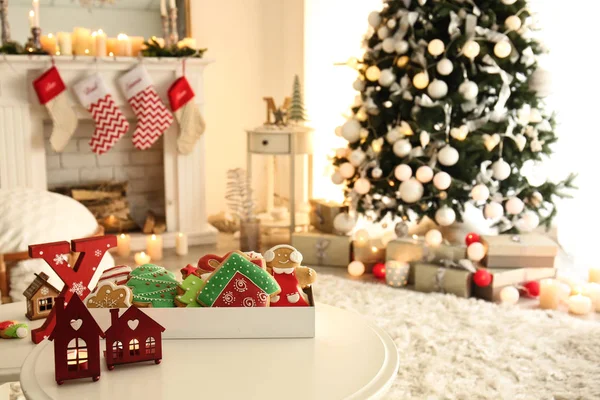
x,y
111,46
181,244
592,290
31,18
64,43
580,304
100,44
81,41
154,247
123,45
136,45
172,4
594,274
141,258
124,245
36,10
549,294
48,43
163,8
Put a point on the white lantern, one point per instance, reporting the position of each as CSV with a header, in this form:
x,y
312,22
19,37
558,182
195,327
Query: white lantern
x,y
442,180
411,190
435,47
424,174
362,186
403,172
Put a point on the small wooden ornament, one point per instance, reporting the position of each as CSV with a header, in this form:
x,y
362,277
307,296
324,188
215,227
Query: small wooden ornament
x,y
276,115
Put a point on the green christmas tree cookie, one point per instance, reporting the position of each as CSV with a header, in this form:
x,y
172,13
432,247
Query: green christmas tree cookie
x,y
187,291
153,286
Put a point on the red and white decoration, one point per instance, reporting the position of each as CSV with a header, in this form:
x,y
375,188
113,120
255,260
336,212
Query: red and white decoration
x,y
111,124
153,116
191,123
118,275
291,293
51,92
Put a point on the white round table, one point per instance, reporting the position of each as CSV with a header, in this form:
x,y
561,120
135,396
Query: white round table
x,y
347,358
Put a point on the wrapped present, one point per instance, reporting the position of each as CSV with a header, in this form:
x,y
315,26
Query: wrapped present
x,y
450,277
323,249
396,273
368,254
502,277
531,250
322,213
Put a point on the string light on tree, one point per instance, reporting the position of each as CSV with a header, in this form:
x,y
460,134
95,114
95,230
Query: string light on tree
x,y
433,238
388,45
373,73
459,133
435,47
509,2
471,49
391,23
402,61
445,216
403,172
405,129
421,80
502,49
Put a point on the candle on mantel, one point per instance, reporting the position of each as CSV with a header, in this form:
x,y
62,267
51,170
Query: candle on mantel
x,y
172,4
594,274
141,258
81,41
111,46
579,304
592,290
154,247
124,245
48,43
36,9
100,43
123,45
549,294
163,8
136,45
31,18
187,42
181,244
65,45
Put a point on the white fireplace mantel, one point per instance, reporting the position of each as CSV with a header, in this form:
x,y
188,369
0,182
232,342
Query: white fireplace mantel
x,y
22,152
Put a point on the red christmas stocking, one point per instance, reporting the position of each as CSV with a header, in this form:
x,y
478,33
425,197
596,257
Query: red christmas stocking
x,y
191,123
153,116
51,91
111,124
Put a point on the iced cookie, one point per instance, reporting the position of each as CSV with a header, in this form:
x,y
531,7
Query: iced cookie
x,y
118,275
187,291
152,286
109,295
283,262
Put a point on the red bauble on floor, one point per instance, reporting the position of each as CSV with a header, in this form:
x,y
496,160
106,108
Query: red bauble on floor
x,y
379,271
532,289
482,278
472,238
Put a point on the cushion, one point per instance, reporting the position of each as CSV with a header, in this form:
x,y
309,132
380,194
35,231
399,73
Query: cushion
x,y
31,216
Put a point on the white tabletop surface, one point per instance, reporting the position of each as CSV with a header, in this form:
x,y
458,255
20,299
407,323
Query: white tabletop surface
x,y
348,358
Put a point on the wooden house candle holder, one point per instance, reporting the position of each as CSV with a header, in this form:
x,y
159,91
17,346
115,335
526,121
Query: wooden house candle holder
x,y
40,297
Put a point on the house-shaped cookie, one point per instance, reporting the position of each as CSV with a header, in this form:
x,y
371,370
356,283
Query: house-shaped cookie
x,y
40,297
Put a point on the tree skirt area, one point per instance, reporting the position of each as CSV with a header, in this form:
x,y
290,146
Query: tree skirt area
x,y
454,348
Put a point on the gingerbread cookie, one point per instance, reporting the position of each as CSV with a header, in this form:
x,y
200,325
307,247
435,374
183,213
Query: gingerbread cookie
x,y
238,282
283,262
209,262
109,295
188,270
187,291
152,286
118,275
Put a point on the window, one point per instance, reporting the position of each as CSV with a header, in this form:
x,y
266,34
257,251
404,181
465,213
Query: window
x,y
45,304
134,347
117,350
77,355
150,345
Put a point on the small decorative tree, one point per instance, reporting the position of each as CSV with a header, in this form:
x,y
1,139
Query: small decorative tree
x,y
240,203
4,25
296,112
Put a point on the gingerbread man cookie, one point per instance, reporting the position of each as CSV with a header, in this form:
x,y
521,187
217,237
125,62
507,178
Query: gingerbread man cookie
x,y
284,262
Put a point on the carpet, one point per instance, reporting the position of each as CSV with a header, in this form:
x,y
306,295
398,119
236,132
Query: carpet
x,y
454,348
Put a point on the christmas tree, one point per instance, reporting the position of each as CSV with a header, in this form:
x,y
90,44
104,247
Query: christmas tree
x,y
296,111
448,114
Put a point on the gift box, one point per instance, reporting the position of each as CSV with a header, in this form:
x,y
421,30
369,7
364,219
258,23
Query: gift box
x,y
531,250
368,254
322,213
323,249
442,279
502,277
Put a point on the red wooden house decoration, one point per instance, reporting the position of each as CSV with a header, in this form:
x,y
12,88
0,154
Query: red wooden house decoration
x,y
76,337
133,337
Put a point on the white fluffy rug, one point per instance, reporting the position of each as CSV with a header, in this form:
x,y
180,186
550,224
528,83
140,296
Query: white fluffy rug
x,y
453,348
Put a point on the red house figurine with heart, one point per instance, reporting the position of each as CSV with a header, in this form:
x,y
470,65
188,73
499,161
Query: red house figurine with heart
x,y
132,337
76,337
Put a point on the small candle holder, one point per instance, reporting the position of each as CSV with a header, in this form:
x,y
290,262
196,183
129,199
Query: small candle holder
x,y
174,36
165,29
36,34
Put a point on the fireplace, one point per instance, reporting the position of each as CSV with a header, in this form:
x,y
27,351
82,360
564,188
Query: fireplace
x,y
159,179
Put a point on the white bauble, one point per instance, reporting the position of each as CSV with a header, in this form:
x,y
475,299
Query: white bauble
x,y
435,47
509,2
493,210
411,190
401,46
502,49
444,67
437,89
448,156
387,77
362,186
528,222
514,206
509,295
468,90
393,135
535,116
337,178
342,152
513,22
537,199
421,80
424,174
501,170
403,172
388,45
402,148
541,82
433,238
372,73
356,268
445,216
442,180
359,85
343,223
534,172
374,19
376,172
347,170
471,49
476,252
480,192
357,157
383,32
351,130
391,23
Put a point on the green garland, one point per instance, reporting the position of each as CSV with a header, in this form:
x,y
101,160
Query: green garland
x,y
15,48
154,49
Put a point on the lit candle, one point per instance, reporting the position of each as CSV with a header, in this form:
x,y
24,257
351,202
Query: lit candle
x,y
64,43
123,45
73,360
136,45
160,41
594,274
100,43
579,304
181,244
163,8
48,43
154,247
141,258
31,18
111,46
592,290
123,245
172,4
549,294
36,11
81,39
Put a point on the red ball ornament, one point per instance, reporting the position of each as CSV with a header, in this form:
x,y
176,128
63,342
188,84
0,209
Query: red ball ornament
x,y
379,271
532,289
482,278
472,238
